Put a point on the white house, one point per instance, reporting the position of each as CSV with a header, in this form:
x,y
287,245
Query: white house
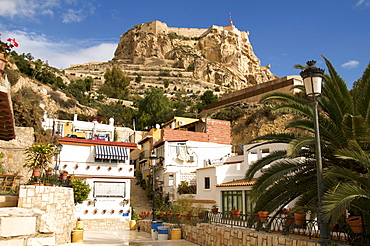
x,y
225,183
106,168
182,150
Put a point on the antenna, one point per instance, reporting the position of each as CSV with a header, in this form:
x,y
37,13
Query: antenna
x,y
230,20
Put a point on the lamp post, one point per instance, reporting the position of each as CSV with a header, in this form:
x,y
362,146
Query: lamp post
x,y
312,80
152,158
58,149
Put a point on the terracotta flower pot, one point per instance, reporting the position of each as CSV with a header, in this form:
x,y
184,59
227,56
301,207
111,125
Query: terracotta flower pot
x,y
355,222
235,214
64,176
162,214
178,215
214,210
36,172
300,219
169,215
263,215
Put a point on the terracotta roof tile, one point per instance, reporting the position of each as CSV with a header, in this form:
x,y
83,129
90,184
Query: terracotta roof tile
x,y
240,182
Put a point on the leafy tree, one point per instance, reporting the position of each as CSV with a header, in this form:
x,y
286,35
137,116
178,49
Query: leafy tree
x,y
27,111
345,144
155,108
116,84
122,115
138,78
79,88
208,97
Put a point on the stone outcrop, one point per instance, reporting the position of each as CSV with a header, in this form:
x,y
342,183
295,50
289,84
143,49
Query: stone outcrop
x,y
219,55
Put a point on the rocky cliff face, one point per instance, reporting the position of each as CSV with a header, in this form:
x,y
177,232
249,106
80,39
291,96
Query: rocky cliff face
x,y
219,55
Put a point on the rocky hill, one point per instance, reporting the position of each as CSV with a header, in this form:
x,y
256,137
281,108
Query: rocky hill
x,y
192,59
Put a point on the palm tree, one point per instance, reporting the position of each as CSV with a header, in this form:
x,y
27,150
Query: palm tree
x,y
38,156
344,127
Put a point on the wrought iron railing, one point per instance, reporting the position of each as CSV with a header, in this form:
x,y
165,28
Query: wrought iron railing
x,y
280,224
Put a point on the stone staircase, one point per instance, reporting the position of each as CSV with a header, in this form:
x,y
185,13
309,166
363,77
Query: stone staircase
x,y
139,200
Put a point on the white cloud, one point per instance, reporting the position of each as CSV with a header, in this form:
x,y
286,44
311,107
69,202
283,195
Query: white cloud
x,y
365,3
350,64
73,16
61,54
26,8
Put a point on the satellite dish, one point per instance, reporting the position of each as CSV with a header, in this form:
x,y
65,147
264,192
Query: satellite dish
x,y
157,126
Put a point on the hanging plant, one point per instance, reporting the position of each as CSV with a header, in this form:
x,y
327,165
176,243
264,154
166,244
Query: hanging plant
x,y
86,211
87,167
109,168
120,212
130,170
104,211
76,166
95,211
98,168
112,211
65,166
120,169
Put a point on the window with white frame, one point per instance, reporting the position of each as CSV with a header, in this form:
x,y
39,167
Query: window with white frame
x,y
177,149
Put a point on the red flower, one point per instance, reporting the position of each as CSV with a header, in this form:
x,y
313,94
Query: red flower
x,y
5,48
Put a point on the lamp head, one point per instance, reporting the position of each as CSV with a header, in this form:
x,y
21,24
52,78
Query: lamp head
x,y
312,79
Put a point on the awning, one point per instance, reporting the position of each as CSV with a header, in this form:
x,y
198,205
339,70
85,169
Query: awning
x,y
110,152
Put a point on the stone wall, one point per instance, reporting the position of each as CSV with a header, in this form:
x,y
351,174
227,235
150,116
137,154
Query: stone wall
x,y
105,224
21,227
58,205
14,158
221,235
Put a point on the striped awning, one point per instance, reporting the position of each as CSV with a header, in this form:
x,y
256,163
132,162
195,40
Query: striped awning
x,y
110,152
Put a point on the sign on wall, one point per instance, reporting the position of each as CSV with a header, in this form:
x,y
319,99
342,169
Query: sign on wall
x,y
109,189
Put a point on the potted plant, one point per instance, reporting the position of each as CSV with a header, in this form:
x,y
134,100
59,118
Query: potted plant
x,y
300,217
235,213
214,209
63,174
38,156
355,222
263,215
49,171
169,215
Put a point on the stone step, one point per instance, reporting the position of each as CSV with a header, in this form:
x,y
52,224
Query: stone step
x,y
139,200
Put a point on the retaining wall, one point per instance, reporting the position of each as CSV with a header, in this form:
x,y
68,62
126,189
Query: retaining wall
x,y
220,235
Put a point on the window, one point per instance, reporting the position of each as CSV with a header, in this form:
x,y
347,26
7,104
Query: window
x,y
177,149
207,183
232,200
247,201
109,189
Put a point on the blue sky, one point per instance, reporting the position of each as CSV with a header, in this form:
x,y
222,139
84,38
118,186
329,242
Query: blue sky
x,y
282,33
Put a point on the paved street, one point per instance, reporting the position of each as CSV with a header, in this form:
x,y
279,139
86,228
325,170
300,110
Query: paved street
x,y
120,238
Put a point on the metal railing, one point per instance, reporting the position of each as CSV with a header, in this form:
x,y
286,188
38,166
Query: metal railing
x,y
280,224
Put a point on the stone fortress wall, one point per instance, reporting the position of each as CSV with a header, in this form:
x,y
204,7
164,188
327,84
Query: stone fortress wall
x,y
160,27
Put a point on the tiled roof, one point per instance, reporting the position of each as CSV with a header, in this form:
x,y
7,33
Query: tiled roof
x,y
239,182
79,141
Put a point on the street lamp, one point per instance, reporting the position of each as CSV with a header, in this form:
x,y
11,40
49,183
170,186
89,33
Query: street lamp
x,y
312,80
152,158
58,149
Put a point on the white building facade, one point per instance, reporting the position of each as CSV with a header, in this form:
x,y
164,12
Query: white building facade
x,y
226,185
106,168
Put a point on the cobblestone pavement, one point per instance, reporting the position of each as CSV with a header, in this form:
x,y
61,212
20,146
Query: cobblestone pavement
x,y
121,238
